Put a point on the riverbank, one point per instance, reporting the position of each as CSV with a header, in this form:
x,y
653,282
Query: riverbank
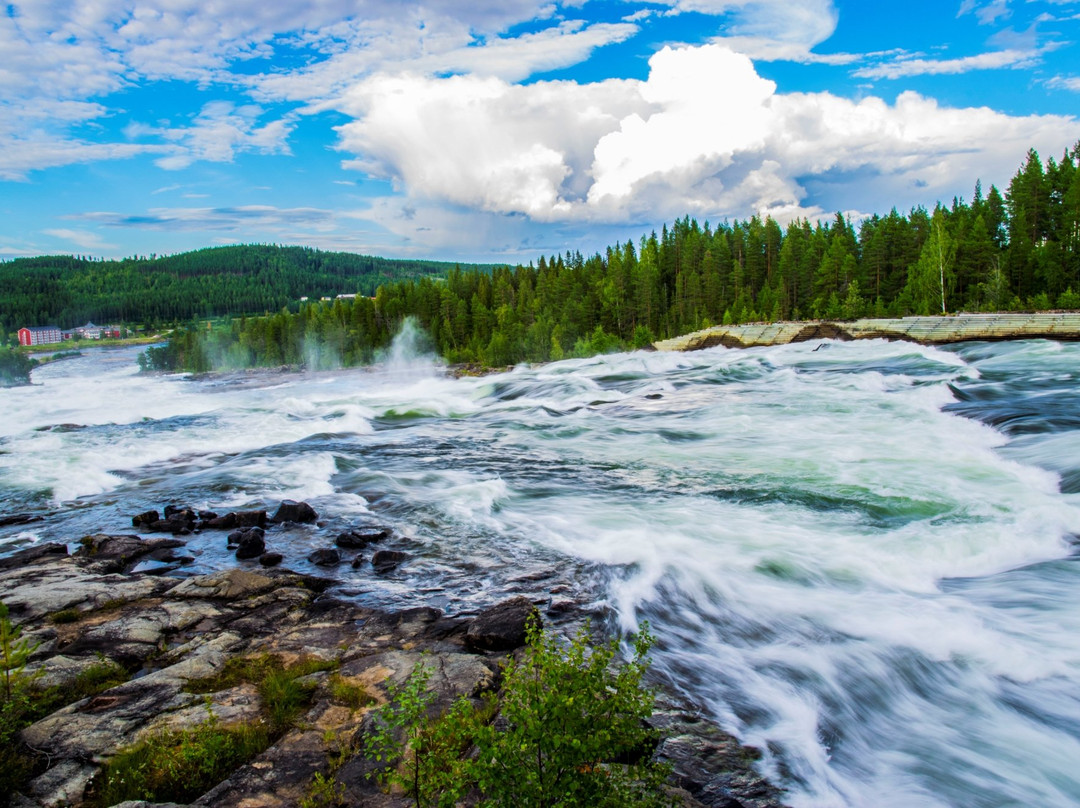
x,y
162,648
923,330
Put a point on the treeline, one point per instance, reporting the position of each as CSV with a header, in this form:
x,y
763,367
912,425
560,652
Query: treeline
x,y
1014,251
15,367
244,279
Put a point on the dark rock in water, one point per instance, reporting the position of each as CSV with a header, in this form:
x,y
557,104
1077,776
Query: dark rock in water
x,y
251,544
175,510
326,557
271,559
250,518
206,516
386,560
358,561
233,538
61,428
21,558
145,518
654,396
502,627
292,511
174,526
226,522
19,519
235,519
710,764
361,537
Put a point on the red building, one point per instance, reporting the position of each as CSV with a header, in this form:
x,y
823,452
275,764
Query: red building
x,y
40,335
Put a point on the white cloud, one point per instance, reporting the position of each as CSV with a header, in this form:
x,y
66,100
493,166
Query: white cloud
x,y
965,64
217,133
704,134
1065,83
83,239
483,142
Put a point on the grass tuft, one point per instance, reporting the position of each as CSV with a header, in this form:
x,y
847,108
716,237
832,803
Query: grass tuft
x,y
178,766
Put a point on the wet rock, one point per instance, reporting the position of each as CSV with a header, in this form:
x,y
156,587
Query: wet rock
x,y
710,764
145,518
271,559
358,561
206,516
292,511
325,557
226,522
358,538
387,560
178,510
105,553
251,544
235,519
502,627
20,558
250,518
19,519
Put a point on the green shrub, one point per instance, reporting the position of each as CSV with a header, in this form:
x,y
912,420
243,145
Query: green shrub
x,y
324,792
428,750
573,733
576,733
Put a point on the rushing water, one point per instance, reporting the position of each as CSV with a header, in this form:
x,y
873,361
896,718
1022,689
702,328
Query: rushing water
x,y
858,556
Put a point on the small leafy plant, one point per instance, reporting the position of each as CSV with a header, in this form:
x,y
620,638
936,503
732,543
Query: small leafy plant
x,y
572,733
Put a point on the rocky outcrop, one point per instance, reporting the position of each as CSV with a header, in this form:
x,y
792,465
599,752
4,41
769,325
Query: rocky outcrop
x,y
176,632
934,330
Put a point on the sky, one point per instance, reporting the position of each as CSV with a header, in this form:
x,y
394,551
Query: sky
x,y
502,130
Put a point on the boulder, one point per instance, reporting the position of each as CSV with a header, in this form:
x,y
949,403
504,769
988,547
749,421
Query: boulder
x,y
145,518
292,511
501,627
386,560
271,559
178,510
234,520
251,544
250,518
326,557
358,561
361,537
226,522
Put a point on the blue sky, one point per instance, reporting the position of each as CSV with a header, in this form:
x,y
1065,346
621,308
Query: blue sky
x,y
505,129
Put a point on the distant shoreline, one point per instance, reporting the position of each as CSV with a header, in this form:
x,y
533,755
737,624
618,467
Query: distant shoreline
x,y
933,330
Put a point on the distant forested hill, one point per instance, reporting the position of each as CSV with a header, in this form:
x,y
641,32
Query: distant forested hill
x,y
245,279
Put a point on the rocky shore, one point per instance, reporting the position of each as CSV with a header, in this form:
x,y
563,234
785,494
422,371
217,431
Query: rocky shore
x,y
123,602
933,330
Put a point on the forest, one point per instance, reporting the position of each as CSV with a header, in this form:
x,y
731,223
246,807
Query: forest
x,y
244,279
999,252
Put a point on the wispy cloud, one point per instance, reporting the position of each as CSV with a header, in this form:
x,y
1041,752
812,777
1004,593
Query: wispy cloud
x,y
917,66
244,217
83,239
1064,83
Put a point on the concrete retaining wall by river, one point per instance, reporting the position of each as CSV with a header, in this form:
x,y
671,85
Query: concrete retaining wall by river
x,y
924,330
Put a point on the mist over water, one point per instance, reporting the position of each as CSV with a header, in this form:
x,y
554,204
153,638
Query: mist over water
x,y
859,556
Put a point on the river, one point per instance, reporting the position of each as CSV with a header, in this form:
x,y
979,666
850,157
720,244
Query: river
x,y
860,557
